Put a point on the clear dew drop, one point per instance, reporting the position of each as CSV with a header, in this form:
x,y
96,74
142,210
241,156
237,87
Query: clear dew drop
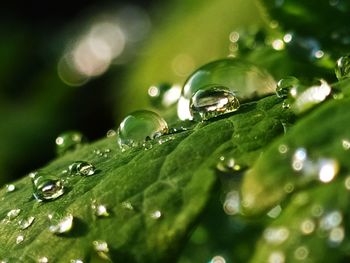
x,y
43,260
156,214
311,96
69,141
275,212
61,225
242,79
139,127
19,239
342,68
285,85
218,259
99,210
164,95
212,101
111,133
82,168
10,188
26,222
47,187
276,257
12,214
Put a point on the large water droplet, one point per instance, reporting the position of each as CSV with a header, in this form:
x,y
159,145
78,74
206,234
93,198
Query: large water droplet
x,y
10,188
164,95
82,168
139,127
19,239
61,224
212,101
243,79
26,222
68,141
342,68
47,187
285,85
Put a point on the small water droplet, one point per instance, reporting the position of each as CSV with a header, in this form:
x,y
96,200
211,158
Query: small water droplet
x,y
47,187
68,141
285,85
10,188
139,127
111,133
342,68
60,224
218,259
82,168
43,260
276,235
156,214
19,239
12,214
99,209
26,222
164,95
346,144
301,253
101,247
276,257
275,212
212,101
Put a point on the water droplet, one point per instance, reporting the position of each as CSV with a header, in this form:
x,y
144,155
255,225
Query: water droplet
x,y
212,101
231,204
307,226
43,260
101,247
342,68
311,96
26,222
47,187
12,214
275,212
276,257
10,188
242,79
156,214
276,235
328,169
60,224
218,259
164,95
111,133
68,141
301,253
285,85
139,127
346,144
99,209
82,168
19,239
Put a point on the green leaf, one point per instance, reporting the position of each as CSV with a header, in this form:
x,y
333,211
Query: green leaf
x,y
310,228
175,178
321,133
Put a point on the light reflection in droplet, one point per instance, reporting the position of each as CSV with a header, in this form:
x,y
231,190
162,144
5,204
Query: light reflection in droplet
x,y
218,259
234,36
156,214
328,169
231,204
278,44
287,37
19,239
346,144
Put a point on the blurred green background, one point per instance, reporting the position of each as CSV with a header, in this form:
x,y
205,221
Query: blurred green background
x,y
83,65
